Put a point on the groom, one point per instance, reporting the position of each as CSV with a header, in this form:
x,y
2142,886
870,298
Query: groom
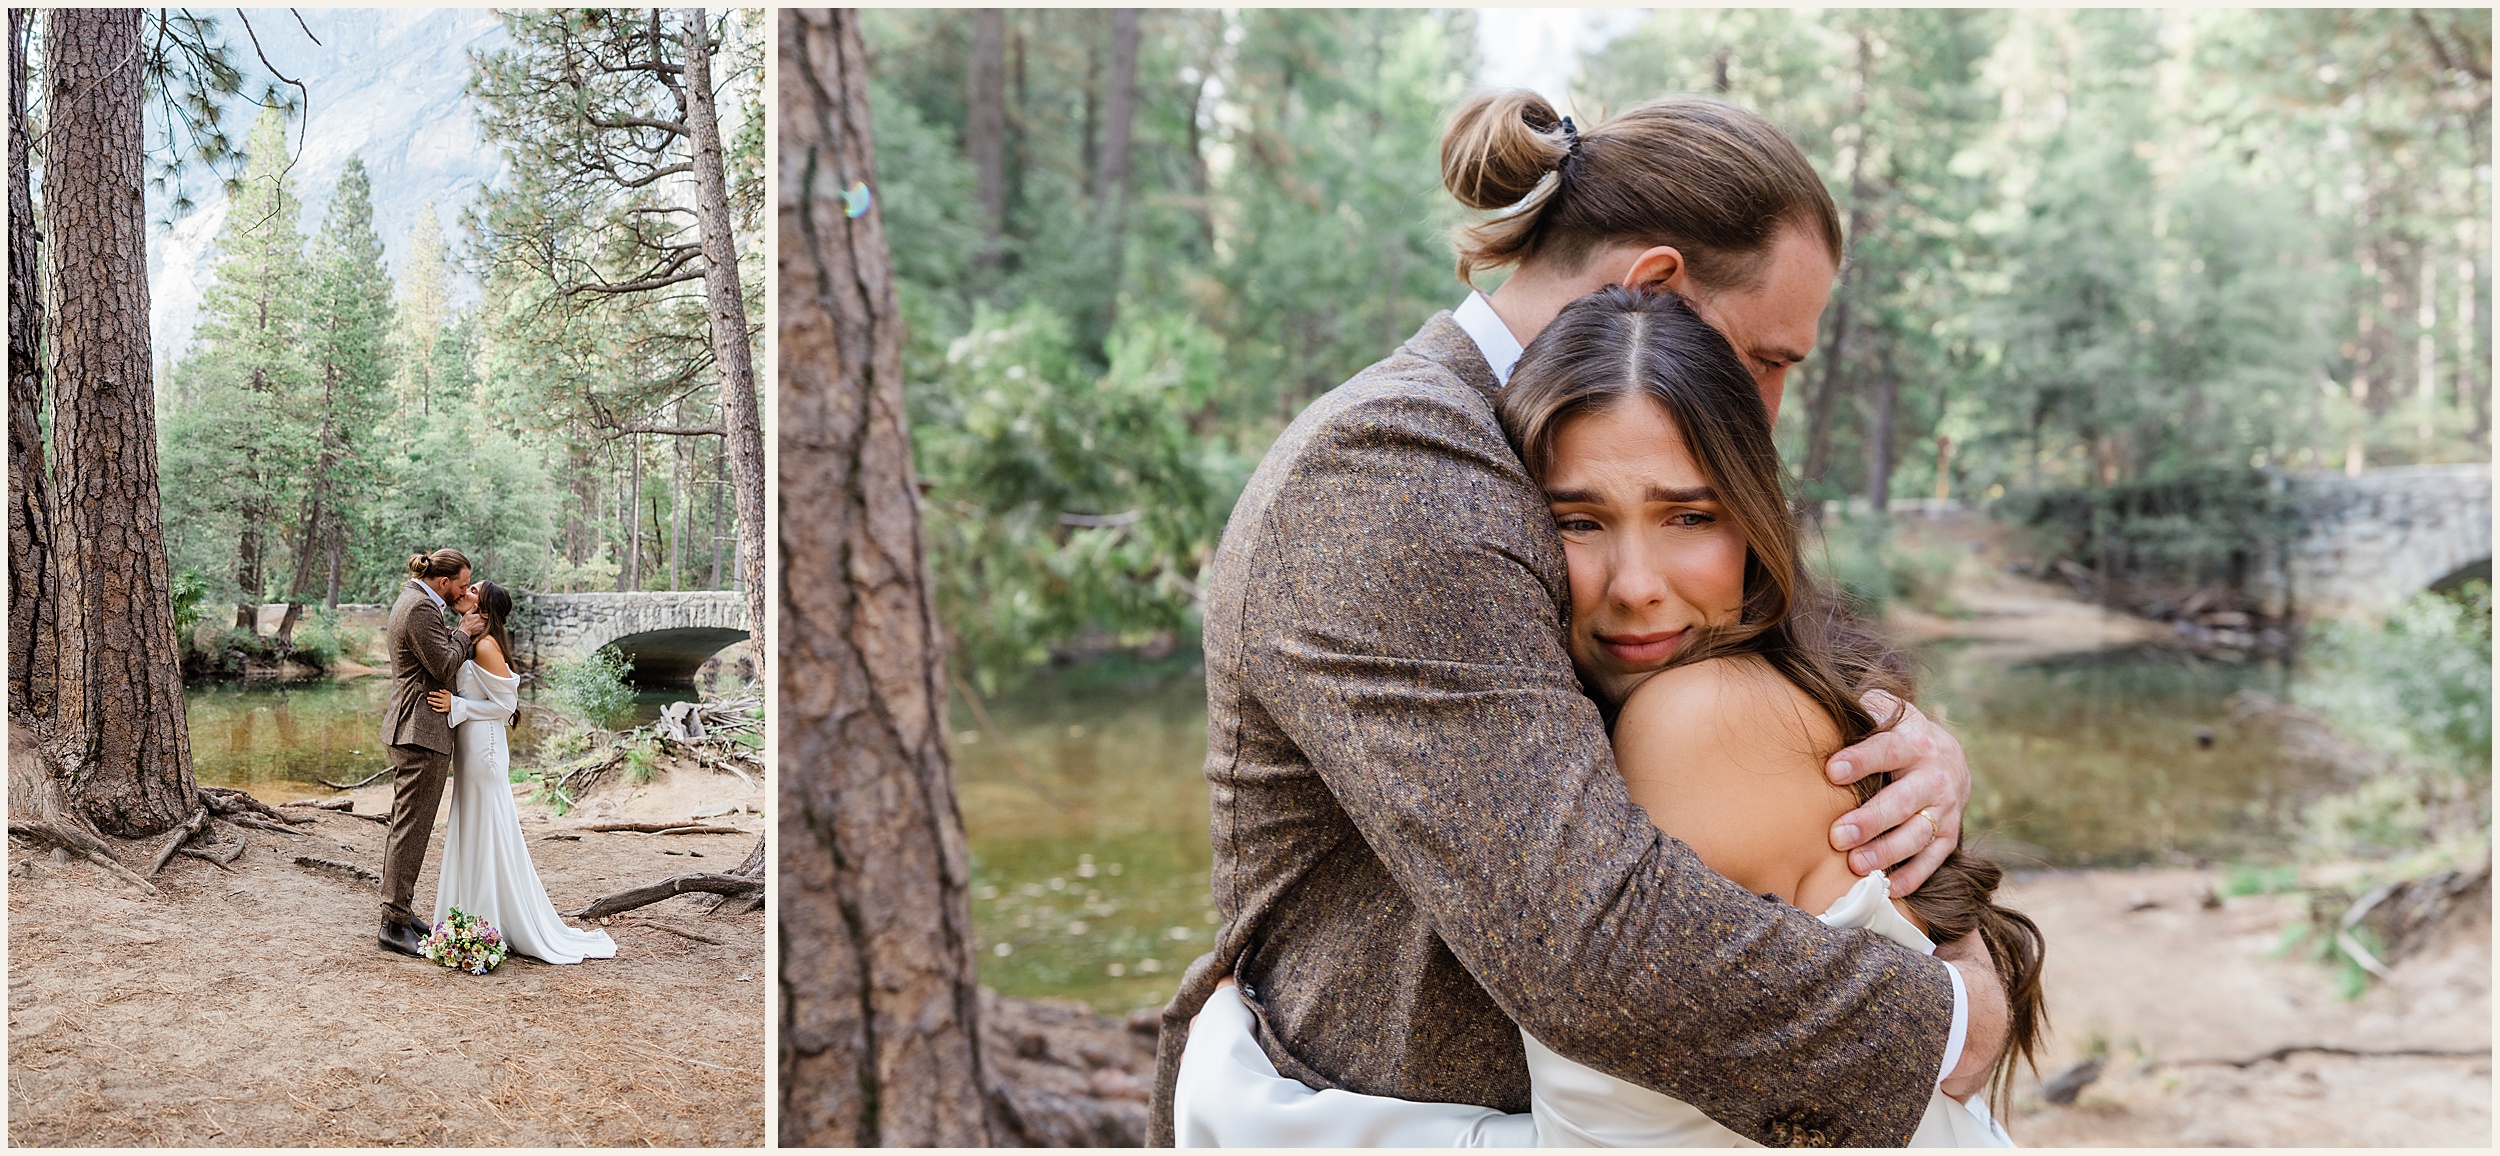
x,y
426,653
1422,848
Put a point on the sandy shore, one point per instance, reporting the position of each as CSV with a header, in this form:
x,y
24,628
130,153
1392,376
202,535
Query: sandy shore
x,y
254,1008
2180,995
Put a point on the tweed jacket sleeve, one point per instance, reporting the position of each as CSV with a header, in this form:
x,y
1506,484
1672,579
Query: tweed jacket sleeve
x,y
439,648
1400,621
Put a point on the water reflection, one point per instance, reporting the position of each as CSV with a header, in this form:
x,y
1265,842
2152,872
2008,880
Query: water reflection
x,y
287,736
1091,857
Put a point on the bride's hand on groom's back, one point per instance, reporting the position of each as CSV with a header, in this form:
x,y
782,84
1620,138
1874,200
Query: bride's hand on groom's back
x,y
1909,827
440,700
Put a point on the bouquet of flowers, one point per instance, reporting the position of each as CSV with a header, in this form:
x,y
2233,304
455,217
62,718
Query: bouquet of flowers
x,y
467,943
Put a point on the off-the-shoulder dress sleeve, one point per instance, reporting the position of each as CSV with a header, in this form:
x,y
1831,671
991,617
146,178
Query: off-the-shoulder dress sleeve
x,y
502,701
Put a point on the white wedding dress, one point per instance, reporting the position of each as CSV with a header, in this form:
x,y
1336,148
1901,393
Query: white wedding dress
x,y
486,864
1230,1096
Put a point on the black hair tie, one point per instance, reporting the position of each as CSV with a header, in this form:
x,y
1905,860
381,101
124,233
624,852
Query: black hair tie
x,y
1571,142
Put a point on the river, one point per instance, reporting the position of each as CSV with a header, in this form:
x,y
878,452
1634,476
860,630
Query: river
x,y
1090,849
272,738
1090,858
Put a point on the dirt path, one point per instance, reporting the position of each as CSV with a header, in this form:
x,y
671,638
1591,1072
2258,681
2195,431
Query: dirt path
x,y
2137,962
255,1009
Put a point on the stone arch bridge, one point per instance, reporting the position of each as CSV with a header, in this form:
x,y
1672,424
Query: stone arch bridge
x,y
2370,541
667,633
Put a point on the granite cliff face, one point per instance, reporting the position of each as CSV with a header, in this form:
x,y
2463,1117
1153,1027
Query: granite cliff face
x,y
386,85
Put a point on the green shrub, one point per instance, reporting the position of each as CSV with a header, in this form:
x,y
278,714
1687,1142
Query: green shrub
x,y
2416,687
318,639
189,591
640,763
1874,567
594,688
2213,524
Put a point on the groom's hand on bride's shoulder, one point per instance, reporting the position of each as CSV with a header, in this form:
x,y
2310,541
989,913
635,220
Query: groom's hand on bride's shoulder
x,y
1916,820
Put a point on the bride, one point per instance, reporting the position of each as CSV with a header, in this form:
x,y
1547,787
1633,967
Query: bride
x,y
486,865
1727,676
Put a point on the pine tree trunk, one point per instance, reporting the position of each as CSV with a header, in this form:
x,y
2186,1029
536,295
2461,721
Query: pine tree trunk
x,y
879,1024
120,739
985,130
1879,442
1112,179
727,303
31,615
1826,401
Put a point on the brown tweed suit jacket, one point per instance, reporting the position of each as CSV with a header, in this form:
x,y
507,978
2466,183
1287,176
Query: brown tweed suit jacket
x,y
425,656
1421,843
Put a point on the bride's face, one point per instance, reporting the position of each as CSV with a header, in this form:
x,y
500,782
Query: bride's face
x,y
1652,552
467,602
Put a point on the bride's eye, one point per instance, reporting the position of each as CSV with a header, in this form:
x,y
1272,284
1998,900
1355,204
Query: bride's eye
x,y
1689,518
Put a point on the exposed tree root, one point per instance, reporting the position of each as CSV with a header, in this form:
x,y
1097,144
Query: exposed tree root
x,y
365,875
260,824
189,830
375,777
80,843
224,862
729,885
324,804
657,926
2287,1051
645,828
228,803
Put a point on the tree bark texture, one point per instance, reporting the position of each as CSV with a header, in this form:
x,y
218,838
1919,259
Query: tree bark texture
x,y
985,129
727,303
879,1005
30,486
120,739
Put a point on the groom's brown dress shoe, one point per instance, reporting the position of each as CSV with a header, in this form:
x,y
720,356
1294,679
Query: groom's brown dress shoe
x,y
397,937
420,928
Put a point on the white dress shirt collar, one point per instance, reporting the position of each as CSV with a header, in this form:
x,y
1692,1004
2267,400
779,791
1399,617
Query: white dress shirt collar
x,y
1492,337
439,604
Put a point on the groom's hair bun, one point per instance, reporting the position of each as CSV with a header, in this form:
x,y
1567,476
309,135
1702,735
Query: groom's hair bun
x,y
1499,146
439,564
1713,179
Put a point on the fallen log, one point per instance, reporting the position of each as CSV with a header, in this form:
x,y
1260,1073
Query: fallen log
x,y
702,830
752,868
324,804
674,885
80,843
365,781
182,834
260,824
385,820
644,828
360,874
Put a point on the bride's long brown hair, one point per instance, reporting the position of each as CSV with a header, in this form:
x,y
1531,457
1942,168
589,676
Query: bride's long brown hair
x,y
1617,345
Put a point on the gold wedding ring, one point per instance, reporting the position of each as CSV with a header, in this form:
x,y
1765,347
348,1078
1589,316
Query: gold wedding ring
x,y
1934,832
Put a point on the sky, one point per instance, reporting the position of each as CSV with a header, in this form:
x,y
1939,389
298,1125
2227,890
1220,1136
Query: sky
x,y
387,85
1540,48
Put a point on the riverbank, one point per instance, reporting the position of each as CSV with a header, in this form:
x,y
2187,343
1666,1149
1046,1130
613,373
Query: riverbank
x,y
253,1007
2185,994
